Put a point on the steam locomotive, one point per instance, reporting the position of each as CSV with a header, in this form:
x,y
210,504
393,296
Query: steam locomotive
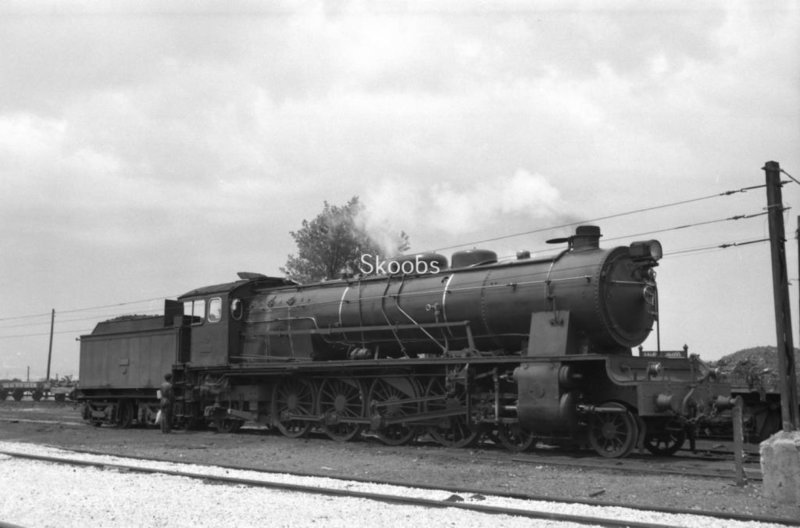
x,y
534,349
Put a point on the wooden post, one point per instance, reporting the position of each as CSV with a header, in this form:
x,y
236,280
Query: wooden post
x,y
780,283
738,441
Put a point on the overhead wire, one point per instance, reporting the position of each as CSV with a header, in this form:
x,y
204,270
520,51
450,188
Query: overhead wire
x,y
86,309
716,247
493,239
665,230
84,331
608,217
669,254
686,226
58,321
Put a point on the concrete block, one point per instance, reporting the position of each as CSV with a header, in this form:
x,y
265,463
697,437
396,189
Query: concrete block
x,y
780,465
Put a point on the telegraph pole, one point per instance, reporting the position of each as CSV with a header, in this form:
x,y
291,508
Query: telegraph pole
x,y
50,348
787,377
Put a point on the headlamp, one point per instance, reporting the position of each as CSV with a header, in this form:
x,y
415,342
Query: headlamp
x,y
646,250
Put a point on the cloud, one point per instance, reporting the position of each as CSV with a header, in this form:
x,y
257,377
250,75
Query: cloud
x,y
163,145
450,209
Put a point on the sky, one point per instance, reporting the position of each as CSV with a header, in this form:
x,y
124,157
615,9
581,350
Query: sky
x,y
148,148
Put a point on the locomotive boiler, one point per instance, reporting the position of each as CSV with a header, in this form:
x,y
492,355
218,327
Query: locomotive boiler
x,y
519,351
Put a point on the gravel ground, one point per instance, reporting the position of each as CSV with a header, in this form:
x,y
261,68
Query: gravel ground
x,y
370,459
48,494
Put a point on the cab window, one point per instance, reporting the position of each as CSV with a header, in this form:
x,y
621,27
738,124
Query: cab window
x,y
196,310
237,309
214,310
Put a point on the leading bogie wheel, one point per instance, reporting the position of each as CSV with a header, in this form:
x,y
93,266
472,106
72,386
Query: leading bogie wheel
x,y
515,438
666,441
613,433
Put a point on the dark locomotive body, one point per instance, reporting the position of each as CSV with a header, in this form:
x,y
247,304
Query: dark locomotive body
x,y
519,351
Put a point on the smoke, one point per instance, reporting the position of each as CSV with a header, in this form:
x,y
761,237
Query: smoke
x,y
386,230
443,210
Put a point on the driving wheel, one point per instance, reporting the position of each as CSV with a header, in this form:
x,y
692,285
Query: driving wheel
x,y
340,400
293,407
392,398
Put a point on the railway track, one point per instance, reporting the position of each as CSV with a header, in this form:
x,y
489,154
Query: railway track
x,y
718,465
546,473
703,463
405,494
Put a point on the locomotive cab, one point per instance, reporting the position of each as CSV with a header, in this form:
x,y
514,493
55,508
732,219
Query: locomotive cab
x,y
215,315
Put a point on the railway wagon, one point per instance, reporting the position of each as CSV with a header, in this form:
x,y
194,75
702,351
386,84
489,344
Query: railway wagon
x,y
37,390
519,351
18,390
761,413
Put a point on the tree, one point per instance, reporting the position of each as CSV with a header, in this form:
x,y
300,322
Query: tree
x,y
333,244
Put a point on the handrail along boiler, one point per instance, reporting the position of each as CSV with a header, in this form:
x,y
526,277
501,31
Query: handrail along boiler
x,y
519,351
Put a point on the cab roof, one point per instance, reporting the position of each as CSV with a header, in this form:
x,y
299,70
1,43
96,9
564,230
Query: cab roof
x,y
251,279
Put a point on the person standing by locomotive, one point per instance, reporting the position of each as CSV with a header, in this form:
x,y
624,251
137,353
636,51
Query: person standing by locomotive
x,y
167,401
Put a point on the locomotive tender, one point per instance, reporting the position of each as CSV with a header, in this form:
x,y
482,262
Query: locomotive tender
x,y
527,350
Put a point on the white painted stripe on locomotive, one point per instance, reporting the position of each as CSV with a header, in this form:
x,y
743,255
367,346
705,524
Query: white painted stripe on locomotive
x,y
444,297
341,304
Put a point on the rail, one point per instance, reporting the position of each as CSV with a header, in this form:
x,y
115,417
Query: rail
x,y
454,501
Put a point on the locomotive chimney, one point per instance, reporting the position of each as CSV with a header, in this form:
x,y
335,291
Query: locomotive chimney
x,y
586,237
